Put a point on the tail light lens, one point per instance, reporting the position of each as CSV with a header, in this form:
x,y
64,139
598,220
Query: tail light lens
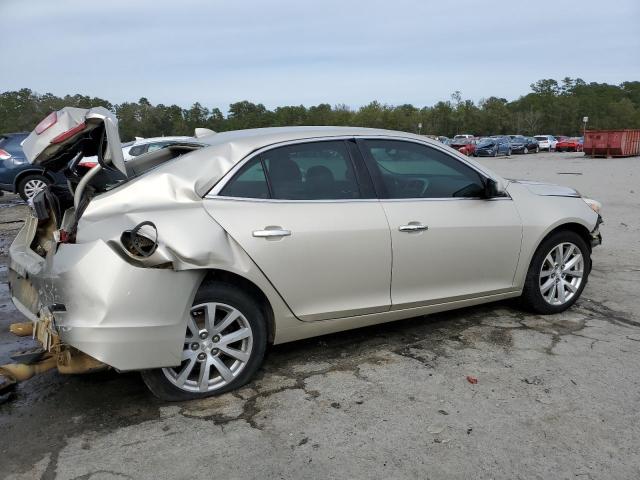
x,y
48,122
88,164
4,155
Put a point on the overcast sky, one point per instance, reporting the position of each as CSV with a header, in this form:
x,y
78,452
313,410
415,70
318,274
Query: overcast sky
x,y
289,52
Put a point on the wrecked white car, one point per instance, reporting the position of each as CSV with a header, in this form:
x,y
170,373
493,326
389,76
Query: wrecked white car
x,y
200,256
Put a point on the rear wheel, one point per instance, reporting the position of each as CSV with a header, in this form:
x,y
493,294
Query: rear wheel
x,y
558,273
31,185
223,347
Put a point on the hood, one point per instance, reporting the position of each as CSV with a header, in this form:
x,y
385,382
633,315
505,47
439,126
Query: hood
x,y
548,189
67,133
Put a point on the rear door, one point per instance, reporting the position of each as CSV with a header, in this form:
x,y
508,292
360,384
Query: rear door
x,y
306,214
448,242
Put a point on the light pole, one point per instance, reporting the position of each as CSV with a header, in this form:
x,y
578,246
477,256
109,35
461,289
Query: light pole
x,y
584,126
419,128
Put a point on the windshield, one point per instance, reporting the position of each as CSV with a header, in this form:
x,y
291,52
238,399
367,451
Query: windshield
x,y
486,142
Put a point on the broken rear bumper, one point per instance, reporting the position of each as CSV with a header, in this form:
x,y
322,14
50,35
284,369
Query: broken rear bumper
x,y
125,316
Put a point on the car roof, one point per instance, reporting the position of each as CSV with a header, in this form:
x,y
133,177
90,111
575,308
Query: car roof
x,y
265,136
14,134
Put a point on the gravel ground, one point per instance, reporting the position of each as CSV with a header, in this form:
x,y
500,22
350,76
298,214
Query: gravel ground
x,y
557,396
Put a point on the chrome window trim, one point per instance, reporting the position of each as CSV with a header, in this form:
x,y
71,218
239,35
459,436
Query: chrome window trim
x,y
214,193
353,200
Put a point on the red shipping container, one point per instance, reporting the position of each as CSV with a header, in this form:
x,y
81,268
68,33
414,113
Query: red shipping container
x,y
612,143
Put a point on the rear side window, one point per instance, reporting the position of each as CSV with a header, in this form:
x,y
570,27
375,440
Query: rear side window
x,y
411,170
309,171
250,182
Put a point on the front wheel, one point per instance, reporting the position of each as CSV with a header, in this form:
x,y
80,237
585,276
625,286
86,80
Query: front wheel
x,y
223,347
557,274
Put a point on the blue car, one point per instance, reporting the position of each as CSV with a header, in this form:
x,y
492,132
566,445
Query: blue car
x,y
17,175
493,146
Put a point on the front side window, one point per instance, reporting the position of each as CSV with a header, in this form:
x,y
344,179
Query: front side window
x,y
411,170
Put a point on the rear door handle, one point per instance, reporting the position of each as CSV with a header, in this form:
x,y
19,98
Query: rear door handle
x,y
413,227
272,232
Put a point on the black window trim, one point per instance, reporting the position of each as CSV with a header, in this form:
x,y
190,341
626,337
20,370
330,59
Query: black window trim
x,y
359,158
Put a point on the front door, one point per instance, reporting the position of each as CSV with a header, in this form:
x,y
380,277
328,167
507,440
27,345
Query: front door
x,y
300,212
448,242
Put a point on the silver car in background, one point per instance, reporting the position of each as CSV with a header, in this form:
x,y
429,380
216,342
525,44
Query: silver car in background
x,y
204,255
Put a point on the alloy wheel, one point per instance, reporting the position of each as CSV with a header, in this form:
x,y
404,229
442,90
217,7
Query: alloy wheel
x,y
217,347
561,273
33,187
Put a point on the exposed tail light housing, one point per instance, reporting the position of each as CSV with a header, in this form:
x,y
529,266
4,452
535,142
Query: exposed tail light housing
x,y
69,133
48,122
4,155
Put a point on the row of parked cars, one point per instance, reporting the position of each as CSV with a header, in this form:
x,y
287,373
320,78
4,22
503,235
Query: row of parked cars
x,y
19,176
496,145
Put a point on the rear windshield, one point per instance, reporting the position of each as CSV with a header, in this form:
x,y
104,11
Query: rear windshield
x,y
542,138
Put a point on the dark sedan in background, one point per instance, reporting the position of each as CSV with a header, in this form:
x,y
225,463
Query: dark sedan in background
x,y
492,147
521,144
17,175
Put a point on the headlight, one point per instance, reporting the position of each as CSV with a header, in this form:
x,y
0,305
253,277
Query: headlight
x,y
593,204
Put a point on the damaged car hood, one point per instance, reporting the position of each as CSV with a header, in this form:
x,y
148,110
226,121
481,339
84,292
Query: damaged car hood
x,y
547,189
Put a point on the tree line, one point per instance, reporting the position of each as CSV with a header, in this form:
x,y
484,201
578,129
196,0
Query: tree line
x,y
555,107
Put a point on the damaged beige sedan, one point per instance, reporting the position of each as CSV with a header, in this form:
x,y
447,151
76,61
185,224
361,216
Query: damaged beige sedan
x,y
187,262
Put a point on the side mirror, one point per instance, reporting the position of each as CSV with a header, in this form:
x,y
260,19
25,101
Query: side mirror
x,y
491,189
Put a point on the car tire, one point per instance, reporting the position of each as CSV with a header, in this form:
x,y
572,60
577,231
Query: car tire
x,y
540,297
163,382
537,149
30,185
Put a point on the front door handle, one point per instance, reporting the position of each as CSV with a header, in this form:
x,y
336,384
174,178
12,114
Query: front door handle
x,y
271,232
413,227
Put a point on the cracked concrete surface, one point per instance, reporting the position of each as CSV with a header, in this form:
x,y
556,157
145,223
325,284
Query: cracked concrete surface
x,y
557,396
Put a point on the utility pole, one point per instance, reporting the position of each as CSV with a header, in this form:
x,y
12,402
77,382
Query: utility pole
x,y
584,126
